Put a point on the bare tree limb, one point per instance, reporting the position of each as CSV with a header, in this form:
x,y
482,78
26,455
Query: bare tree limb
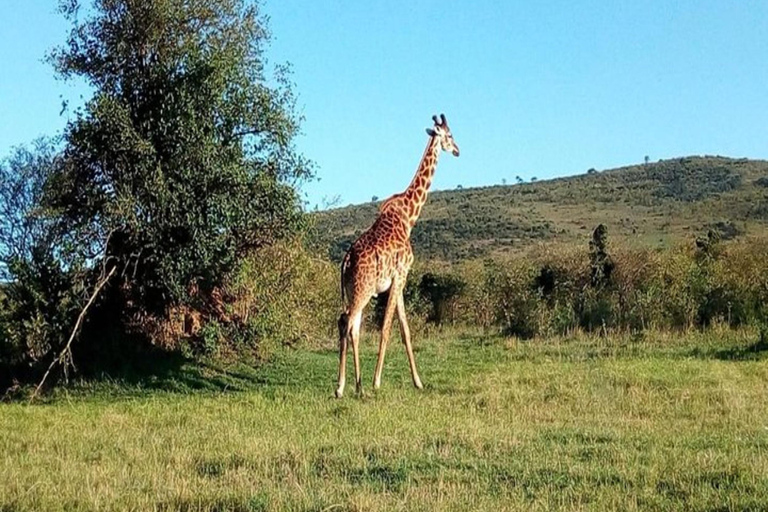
x,y
66,350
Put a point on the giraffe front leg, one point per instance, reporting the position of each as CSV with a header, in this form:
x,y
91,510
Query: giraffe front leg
x,y
358,376
386,327
355,336
405,334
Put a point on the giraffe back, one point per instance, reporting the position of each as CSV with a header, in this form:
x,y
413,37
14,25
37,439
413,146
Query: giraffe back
x,y
377,256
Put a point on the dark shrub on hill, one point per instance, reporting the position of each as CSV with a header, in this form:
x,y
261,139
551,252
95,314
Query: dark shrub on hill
x,y
441,291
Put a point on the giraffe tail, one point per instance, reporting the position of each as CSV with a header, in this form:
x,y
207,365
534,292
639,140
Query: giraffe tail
x,y
344,267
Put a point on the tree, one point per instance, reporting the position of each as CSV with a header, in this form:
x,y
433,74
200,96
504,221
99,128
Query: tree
x,y
183,160
518,179
374,199
329,202
23,226
40,289
181,164
601,263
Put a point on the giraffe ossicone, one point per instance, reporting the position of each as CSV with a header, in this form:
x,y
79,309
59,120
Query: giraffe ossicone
x,y
380,259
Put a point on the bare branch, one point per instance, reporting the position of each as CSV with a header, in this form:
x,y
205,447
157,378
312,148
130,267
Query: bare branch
x,y
67,348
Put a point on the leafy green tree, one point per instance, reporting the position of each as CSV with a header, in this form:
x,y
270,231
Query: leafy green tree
x,y
183,160
40,288
24,228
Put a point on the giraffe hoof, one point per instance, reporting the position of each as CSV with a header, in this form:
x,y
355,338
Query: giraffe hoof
x,y
417,384
339,393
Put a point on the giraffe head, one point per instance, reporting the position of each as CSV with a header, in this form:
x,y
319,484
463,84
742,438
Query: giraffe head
x,y
443,134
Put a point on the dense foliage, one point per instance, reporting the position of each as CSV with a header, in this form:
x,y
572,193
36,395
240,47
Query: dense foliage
x,y
40,284
182,157
599,286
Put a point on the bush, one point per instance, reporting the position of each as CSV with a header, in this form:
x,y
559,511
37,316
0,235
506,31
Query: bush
x,y
441,291
516,300
41,291
558,289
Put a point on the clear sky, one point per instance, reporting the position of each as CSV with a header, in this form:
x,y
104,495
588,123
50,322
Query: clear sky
x,y
545,88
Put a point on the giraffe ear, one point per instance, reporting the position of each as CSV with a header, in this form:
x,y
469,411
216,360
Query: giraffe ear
x,y
431,132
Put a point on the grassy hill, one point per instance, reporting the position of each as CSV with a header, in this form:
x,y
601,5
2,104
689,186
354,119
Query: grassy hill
x,y
648,204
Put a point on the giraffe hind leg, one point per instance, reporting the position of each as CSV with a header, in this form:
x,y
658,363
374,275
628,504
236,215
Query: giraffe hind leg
x,y
386,328
343,341
349,331
354,335
405,334
343,322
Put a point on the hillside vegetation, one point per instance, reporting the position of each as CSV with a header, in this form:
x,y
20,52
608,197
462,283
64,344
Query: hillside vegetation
x,y
654,204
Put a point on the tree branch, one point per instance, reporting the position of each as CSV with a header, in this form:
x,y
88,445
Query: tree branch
x,y
61,358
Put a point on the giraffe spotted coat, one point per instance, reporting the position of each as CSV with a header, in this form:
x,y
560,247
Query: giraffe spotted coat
x,y
380,259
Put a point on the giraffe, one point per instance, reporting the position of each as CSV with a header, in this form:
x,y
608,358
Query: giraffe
x,y
380,259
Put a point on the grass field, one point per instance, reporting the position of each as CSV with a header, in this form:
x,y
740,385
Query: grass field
x,y
659,423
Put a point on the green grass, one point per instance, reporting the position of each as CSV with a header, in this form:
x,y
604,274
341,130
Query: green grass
x,y
659,423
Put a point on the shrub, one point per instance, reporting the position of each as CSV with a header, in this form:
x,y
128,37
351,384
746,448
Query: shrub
x,y
441,292
283,295
555,290
41,291
516,301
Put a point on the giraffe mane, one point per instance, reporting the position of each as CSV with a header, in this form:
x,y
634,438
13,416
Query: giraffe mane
x,y
394,203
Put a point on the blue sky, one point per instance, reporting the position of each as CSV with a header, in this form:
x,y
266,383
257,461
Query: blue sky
x,y
545,89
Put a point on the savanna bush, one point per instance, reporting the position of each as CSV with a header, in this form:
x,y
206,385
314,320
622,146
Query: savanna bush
x,y
279,295
516,301
740,280
553,291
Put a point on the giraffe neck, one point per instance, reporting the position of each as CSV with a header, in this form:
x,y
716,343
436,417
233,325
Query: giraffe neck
x,y
416,194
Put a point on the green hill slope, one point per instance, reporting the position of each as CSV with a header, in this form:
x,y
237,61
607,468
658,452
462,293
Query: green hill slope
x,y
650,204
